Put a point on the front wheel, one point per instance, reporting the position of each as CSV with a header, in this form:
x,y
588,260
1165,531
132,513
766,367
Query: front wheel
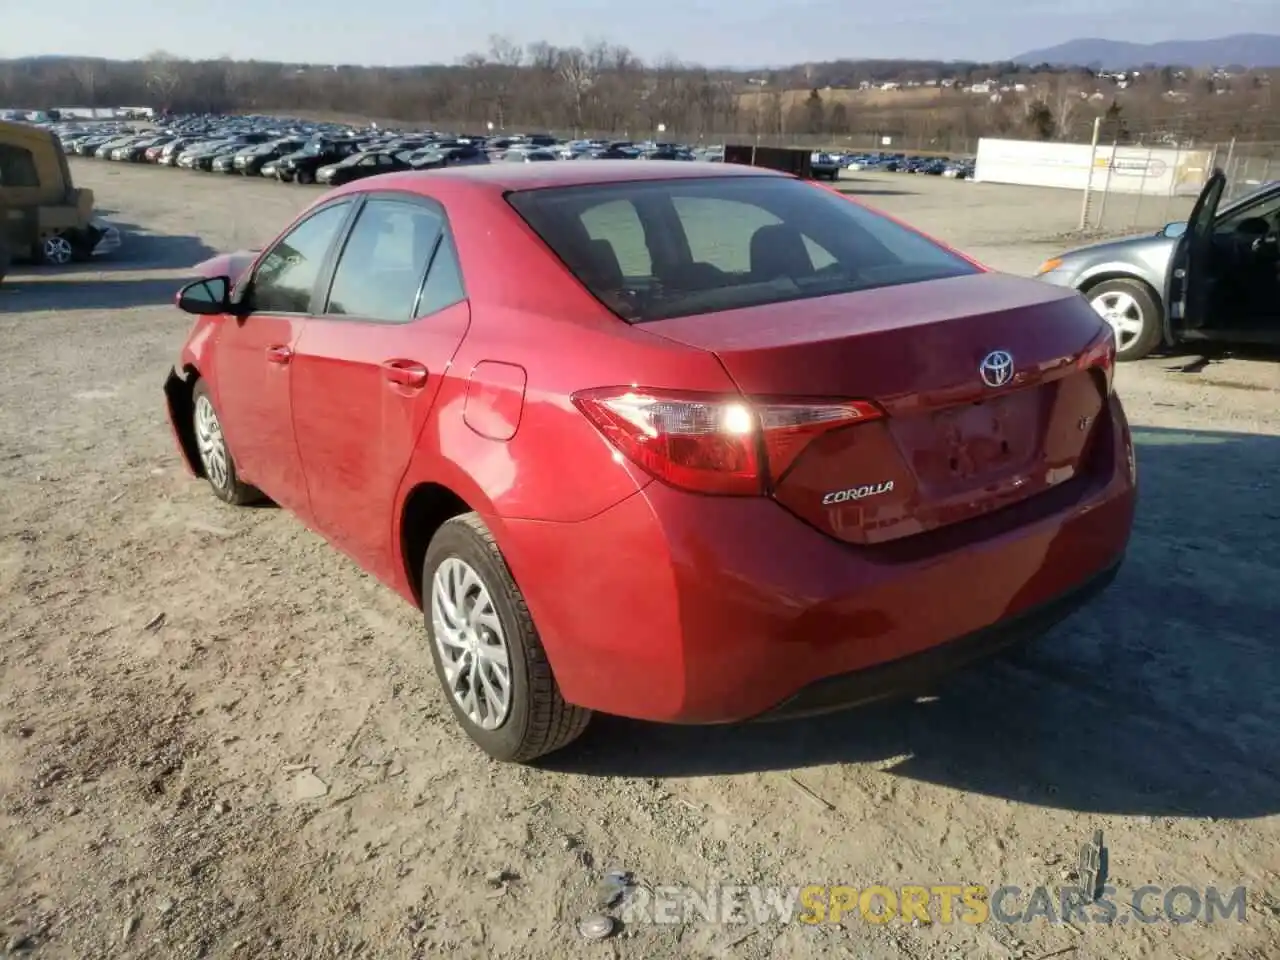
x,y
1134,314
305,177
486,649
215,456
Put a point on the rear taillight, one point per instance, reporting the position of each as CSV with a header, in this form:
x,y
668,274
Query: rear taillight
x,y
714,443
1101,356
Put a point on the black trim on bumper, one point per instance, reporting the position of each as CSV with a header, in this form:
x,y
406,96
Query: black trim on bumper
x,y
177,395
915,674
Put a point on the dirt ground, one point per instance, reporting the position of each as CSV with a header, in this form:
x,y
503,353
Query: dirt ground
x,y
218,738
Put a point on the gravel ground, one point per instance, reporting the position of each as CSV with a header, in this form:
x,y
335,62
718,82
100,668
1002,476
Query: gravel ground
x,y
218,738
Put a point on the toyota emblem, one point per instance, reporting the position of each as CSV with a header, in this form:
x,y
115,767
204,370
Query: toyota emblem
x,y
996,368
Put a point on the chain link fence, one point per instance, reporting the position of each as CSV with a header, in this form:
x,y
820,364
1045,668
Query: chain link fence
x,y
1134,187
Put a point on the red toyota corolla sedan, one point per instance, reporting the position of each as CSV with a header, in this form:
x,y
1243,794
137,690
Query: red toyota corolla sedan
x,y
681,442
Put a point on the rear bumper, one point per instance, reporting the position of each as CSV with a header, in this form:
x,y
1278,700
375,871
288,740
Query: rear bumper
x,y
917,673
687,609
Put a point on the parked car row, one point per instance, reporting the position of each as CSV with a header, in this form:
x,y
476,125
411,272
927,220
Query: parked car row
x,y
293,151
955,169
298,152
827,165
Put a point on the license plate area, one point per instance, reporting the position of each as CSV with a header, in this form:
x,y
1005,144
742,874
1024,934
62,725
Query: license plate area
x,y
969,445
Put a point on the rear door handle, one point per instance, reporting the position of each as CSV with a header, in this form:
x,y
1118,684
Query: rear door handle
x,y
279,354
405,373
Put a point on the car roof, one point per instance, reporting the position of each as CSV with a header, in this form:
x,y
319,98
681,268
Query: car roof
x,y
503,177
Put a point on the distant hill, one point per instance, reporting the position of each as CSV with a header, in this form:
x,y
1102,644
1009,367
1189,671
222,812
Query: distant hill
x,y
1249,50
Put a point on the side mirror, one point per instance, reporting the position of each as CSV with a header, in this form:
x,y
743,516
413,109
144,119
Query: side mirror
x,y
1174,230
208,297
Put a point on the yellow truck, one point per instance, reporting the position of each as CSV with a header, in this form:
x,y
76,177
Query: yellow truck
x,y
43,217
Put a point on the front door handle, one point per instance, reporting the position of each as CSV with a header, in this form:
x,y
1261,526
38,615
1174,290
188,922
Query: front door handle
x,y
405,373
279,354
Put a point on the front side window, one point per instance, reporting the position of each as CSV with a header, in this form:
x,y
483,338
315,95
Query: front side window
x,y
383,262
287,275
1264,208
669,248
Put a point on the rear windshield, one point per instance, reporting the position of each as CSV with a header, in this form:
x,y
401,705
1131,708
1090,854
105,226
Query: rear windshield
x,y
671,248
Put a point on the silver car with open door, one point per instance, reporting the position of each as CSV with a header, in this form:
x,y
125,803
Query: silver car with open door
x,y
1127,280
1223,282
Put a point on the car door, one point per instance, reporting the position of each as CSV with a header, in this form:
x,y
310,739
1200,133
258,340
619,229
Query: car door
x,y
364,167
388,163
1189,281
369,366
1247,237
253,355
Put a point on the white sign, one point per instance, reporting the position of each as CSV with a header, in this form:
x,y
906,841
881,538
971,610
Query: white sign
x,y
1153,171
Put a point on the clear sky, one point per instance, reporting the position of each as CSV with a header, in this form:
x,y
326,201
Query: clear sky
x,y
717,32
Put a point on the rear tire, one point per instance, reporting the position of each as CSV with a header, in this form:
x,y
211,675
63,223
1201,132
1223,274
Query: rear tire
x,y
305,177
215,456
58,250
1135,314
477,618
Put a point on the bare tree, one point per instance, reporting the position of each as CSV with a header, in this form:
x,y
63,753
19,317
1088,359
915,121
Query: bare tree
x,y
164,76
86,74
1066,101
476,87
603,89
506,58
504,52
579,74
238,78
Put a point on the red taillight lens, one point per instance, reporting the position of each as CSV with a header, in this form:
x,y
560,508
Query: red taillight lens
x,y
714,443
1101,356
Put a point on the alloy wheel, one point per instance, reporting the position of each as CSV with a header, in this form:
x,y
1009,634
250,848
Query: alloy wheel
x,y
472,644
58,250
1123,313
211,444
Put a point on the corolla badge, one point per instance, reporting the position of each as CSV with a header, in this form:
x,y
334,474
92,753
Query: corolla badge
x,y
996,368
857,493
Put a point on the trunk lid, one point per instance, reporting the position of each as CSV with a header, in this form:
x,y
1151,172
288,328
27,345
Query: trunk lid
x,y
951,446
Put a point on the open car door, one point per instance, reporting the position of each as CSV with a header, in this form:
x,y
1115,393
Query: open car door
x,y
1189,282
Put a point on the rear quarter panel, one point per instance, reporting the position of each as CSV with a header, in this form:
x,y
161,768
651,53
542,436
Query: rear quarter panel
x,y
528,310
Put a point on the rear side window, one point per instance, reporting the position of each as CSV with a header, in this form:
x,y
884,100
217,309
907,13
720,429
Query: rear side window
x,y
17,167
669,248
383,262
701,219
617,223
443,286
